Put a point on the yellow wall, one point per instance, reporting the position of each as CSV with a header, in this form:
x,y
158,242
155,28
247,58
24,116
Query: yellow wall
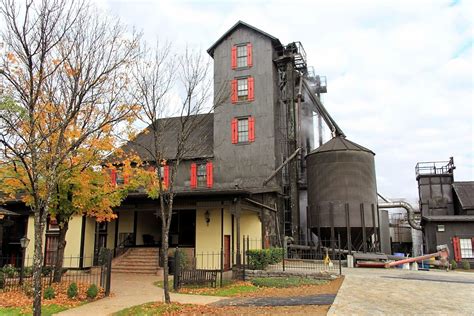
x,y
111,234
89,241
73,242
31,236
251,226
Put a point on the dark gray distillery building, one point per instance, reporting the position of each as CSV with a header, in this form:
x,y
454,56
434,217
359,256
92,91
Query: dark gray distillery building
x,y
447,209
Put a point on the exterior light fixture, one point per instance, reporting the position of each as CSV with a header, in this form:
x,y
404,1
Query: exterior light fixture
x,y
207,216
2,216
24,241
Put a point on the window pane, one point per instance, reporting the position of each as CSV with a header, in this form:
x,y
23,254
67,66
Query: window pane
x,y
243,130
242,89
466,248
201,174
242,56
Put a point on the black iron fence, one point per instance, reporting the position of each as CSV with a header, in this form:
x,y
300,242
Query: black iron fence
x,y
16,274
322,257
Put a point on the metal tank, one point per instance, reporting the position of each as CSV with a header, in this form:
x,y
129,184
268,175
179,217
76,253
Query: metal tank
x,y
342,195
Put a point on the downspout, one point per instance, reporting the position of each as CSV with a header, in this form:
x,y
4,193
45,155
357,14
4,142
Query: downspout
x,y
407,207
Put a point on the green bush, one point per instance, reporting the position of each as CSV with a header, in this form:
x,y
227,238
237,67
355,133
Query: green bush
x,y
454,264
46,271
92,291
28,272
2,280
261,258
276,255
465,265
182,259
9,271
72,290
27,288
49,293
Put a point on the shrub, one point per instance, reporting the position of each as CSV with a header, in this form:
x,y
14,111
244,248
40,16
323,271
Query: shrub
x,y
465,265
27,288
258,259
92,291
2,280
46,270
28,272
9,271
182,259
72,290
454,264
276,255
49,293
103,255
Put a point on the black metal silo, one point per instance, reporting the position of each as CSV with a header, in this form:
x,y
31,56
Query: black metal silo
x,y
342,195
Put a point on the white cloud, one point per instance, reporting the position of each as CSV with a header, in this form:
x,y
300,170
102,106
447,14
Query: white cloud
x,y
400,73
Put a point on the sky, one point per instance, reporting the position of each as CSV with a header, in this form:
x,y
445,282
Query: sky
x,y
400,73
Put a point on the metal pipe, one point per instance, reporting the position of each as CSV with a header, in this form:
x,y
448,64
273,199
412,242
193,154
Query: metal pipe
x,y
260,204
443,253
410,210
282,165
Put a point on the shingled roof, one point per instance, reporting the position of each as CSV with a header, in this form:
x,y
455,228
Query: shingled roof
x,y
465,193
200,144
274,40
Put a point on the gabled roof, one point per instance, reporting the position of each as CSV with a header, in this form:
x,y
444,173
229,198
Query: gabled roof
x,y
340,143
465,193
200,143
275,40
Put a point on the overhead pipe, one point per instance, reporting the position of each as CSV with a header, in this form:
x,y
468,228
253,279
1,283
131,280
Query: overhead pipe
x,y
410,210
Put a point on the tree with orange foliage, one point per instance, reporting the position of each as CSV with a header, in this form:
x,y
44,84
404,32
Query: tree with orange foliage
x,y
66,71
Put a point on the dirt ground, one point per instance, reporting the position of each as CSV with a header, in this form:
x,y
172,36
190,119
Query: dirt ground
x,y
329,288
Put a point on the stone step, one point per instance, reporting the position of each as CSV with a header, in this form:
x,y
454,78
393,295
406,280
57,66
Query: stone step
x,y
137,261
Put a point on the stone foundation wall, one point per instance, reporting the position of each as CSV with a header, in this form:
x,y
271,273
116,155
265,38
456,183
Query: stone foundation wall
x,y
250,274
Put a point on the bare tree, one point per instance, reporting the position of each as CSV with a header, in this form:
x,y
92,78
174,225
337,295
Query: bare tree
x,y
160,74
66,72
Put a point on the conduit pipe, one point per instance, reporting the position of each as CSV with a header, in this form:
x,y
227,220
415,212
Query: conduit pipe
x,y
407,207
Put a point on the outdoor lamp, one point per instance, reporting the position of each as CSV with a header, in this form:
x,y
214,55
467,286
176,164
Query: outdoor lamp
x,y
24,241
207,216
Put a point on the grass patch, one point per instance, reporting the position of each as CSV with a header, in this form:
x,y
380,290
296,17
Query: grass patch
x,y
46,310
286,282
149,309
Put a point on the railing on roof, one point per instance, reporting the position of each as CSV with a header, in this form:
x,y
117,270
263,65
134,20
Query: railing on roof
x,y
435,167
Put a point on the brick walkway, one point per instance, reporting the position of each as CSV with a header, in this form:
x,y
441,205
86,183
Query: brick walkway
x,y
403,292
130,290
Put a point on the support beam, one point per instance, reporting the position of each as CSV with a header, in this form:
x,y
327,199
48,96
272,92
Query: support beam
x,y
274,173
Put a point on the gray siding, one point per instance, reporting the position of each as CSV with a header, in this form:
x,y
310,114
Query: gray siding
x,y
246,165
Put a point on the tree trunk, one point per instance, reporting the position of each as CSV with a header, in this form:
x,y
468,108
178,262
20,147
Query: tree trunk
x,y
164,254
37,262
58,264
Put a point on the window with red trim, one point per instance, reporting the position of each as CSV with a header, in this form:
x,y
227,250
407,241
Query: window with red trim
x,y
202,175
243,130
242,56
242,89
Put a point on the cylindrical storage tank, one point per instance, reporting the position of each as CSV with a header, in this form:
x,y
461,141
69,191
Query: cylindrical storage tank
x,y
342,195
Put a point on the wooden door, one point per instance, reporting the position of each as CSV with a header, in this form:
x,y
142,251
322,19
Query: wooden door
x,y
226,252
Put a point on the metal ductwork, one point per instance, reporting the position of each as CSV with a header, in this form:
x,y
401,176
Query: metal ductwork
x,y
410,210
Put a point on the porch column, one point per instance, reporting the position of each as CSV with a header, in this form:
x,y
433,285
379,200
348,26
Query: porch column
x,y
237,210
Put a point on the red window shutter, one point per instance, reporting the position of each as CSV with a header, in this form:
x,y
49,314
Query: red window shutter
x,y
113,176
209,176
251,129
166,176
193,176
456,248
234,131
249,55
234,91
234,57
250,87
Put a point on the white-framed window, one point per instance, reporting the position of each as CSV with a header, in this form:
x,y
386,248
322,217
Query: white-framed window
x,y
466,248
242,56
242,89
441,228
243,130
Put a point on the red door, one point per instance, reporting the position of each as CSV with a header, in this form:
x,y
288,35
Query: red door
x,y
226,252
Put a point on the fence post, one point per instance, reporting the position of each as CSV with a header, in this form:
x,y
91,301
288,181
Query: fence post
x,y
243,265
339,252
109,272
283,257
176,270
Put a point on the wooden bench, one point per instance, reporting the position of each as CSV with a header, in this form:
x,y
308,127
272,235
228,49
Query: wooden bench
x,y
197,277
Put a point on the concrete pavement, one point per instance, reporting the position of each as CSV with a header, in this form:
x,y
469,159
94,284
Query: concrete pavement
x,y
134,289
404,292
